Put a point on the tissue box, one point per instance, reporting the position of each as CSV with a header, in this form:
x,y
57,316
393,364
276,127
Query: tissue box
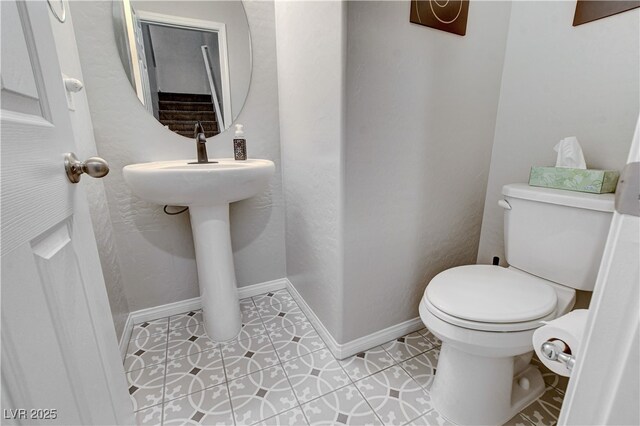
x,y
581,180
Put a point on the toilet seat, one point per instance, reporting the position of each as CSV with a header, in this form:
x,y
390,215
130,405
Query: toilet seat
x,y
490,298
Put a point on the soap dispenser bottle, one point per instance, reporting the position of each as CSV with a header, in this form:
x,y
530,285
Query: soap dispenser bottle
x,y
239,144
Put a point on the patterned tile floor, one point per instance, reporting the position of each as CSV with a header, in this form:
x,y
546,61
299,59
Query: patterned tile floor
x,y
279,372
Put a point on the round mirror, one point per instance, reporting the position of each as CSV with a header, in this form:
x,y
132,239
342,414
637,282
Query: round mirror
x,y
189,62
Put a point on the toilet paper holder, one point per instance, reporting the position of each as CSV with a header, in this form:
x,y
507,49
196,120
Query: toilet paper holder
x,y
553,353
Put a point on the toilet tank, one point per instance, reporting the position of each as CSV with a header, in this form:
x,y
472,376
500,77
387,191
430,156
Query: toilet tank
x,y
554,234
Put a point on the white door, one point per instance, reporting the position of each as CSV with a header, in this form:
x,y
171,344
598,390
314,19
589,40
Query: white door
x,y
139,56
604,388
60,361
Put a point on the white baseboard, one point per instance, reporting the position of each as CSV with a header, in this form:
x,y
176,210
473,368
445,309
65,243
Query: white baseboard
x,y
175,308
261,288
379,337
345,350
126,336
333,346
340,351
162,311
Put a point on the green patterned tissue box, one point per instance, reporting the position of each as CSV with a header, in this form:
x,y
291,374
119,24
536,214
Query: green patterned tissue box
x,y
581,180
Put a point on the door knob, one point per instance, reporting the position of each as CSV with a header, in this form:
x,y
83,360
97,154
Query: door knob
x,y
94,166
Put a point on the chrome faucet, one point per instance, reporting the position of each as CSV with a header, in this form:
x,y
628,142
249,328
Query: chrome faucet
x,y
201,142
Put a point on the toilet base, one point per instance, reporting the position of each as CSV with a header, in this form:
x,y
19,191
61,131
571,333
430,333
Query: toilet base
x,y
474,389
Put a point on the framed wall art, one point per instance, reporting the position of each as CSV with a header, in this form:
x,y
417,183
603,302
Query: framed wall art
x,y
592,10
444,15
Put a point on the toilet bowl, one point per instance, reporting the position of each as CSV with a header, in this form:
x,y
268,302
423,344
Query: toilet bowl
x,y
486,315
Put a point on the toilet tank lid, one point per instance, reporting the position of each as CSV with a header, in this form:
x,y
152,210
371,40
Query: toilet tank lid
x,y
582,200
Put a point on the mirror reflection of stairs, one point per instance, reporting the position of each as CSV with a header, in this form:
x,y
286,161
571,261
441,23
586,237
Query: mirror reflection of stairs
x,y
180,111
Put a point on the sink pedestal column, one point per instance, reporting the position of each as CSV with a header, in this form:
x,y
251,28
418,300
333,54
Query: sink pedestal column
x,y
216,275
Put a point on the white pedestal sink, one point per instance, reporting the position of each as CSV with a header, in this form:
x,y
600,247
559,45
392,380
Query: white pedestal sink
x,y
207,189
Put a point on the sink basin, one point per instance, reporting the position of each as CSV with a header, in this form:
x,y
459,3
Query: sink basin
x,y
178,183
207,189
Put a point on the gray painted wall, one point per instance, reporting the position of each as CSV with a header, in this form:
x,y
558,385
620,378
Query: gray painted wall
x,y
310,40
155,250
94,188
560,81
386,148
421,108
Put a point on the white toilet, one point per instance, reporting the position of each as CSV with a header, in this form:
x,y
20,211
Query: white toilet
x,y
486,315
